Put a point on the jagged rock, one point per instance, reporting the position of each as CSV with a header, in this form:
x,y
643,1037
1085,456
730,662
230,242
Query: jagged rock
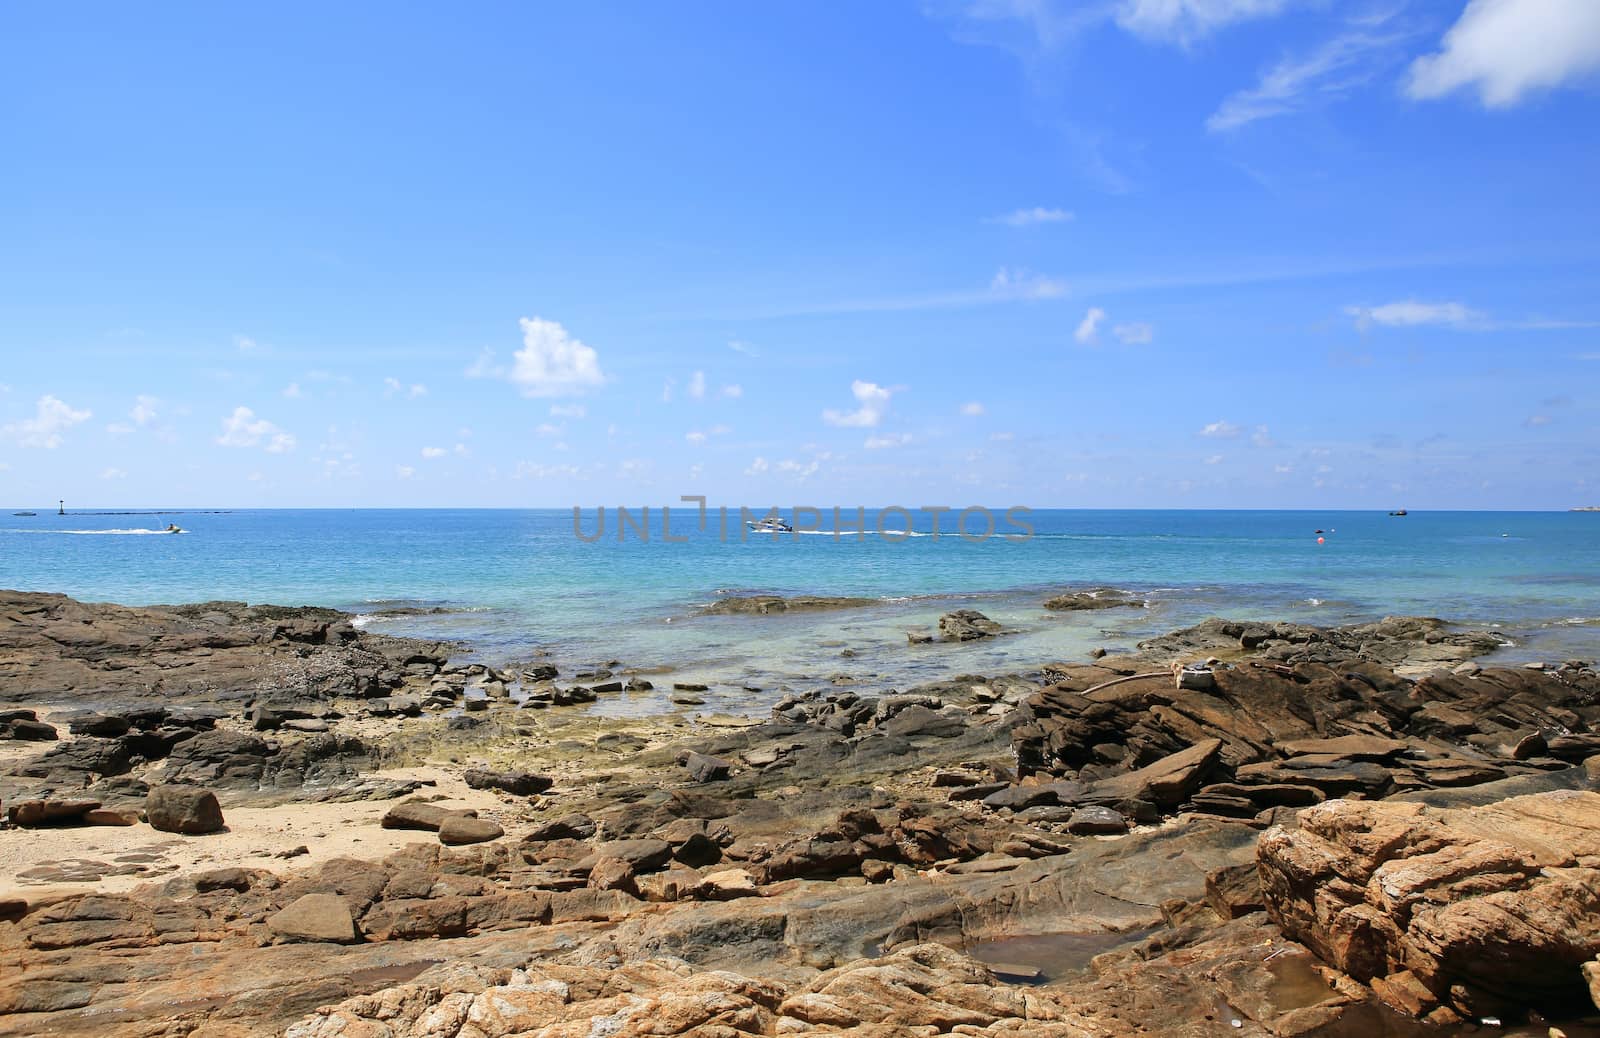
x,y
705,768
1096,598
1169,781
1483,909
183,809
762,605
315,917
965,625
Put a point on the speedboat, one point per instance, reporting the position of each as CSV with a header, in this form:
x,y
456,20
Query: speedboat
x,y
1400,512
771,524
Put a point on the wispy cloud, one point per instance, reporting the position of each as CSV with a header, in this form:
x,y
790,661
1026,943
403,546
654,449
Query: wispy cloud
x,y
1221,430
1088,330
1411,313
1186,21
1032,217
1134,333
51,418
1331,71
394,387
1024,284
886,441
973,409
1509,49
244,429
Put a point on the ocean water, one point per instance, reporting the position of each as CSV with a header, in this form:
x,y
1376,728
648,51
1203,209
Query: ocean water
x,y
509,584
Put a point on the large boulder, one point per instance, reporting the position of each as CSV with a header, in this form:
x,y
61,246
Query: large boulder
x,y
183,809
1446,913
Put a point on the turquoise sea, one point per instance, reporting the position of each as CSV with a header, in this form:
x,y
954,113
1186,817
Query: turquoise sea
x,y
513,583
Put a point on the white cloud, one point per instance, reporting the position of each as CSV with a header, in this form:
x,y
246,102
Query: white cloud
x,y
1535,421
973,409
51,418
1134,333
550,429
695,437
733,391
1089,328
1507,49
461,450
1262,438
1215,459
404,471
757,467
1331,71
1283,470
874,401
245,344
434,452
740,346
119,428
393,387
536,470
553,363
1221,430
144,409
697,386
1411,313
886,441
800,469
244,429
1184,21
1031,217
113,474
292,391
1024,284
568,411
1002,437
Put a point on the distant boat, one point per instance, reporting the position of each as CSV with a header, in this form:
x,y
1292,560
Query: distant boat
x,y
771,524
24,513
1401,512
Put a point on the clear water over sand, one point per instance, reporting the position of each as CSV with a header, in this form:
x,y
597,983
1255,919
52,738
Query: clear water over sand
x,y
515,582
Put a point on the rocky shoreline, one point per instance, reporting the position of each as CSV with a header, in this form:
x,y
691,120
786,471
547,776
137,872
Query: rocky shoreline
x,y
232,820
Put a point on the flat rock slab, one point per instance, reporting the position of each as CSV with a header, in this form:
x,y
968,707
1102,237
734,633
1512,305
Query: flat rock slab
x,y
315,917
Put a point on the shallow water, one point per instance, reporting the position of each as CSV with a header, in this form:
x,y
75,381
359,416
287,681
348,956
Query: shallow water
x,y
1057,956
510,583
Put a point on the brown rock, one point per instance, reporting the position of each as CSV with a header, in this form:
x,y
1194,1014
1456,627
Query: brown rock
x,y
315,918
1169,781
1484,909
457,830
30,813
183,809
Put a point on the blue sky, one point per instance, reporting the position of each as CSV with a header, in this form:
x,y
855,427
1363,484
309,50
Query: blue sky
x,y
1131,253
